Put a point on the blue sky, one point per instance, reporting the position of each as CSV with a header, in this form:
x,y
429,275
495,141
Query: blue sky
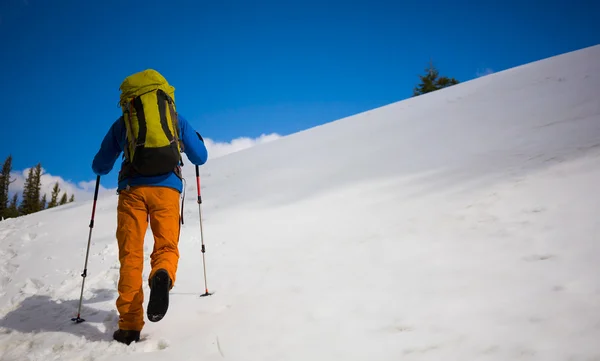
x,y
244,68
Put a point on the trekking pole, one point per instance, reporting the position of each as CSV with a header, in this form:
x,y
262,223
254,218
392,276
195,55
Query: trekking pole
x,y
206,293
78,319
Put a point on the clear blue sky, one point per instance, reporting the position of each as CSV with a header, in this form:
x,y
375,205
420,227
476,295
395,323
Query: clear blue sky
x,y
249,67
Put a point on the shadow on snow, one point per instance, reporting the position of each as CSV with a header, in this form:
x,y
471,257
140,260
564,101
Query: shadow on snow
x,y
40,313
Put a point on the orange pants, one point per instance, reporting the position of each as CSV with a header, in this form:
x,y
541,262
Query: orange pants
x,y
159,205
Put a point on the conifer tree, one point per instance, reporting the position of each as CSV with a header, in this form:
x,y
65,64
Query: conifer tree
x,y
4,184
31,191
72,199
25,206
54,196
432,81
37,190
43,203
12,211
63,200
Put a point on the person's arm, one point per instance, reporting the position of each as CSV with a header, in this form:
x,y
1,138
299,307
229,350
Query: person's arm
x,y
193,143
110,149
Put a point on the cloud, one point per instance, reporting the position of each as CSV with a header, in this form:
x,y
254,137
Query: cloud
x,y
219,149
484,72
84,190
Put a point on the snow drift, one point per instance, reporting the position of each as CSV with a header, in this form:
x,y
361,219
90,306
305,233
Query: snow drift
x,y
458,225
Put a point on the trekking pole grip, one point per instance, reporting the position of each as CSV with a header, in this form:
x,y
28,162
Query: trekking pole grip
x,y
198,184
95,200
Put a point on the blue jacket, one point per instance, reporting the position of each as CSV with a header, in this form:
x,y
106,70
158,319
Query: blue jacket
x,y
115,141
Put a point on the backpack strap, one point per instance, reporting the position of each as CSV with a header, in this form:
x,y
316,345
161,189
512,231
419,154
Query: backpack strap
x,y
162,97
139,110
131,139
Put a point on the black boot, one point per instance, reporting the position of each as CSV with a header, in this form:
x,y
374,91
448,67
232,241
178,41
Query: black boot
x,y
160,284
126,336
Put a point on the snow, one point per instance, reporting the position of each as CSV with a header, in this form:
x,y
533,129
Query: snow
x,y
458,225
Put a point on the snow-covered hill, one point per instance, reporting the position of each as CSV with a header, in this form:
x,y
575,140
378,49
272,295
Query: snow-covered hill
x,y
458,225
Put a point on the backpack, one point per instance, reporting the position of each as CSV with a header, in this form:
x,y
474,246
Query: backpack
x,y
148,105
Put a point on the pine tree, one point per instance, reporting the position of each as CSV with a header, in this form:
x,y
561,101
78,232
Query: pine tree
x,y
4,183
31,191
25,206
37,189
63,200
432,81
12,211
43,202
72,199
54,196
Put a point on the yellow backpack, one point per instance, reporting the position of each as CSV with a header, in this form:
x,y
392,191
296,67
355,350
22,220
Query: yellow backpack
x,y
148,104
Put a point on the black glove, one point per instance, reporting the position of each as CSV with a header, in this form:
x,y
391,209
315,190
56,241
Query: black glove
x,y
200,137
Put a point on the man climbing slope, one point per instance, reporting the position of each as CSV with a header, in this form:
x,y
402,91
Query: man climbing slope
x,y
152,136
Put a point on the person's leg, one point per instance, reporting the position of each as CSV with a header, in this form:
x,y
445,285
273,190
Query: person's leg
x,y
163,207
132,222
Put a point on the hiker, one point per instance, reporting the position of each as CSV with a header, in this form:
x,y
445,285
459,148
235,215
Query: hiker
x,y
149,188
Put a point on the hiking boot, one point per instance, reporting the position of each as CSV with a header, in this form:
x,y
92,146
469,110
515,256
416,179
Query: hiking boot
x,y
160,284
126,336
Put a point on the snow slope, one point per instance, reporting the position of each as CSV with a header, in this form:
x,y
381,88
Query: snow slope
x,y
459,225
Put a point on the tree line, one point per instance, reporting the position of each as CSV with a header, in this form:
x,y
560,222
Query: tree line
x,y
31,199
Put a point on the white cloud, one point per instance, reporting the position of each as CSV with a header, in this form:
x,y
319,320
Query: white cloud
x,y
84,190
219,149
484,72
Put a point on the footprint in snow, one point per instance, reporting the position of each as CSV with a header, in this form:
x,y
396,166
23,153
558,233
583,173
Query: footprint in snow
x,y
148,344
7,254
397,328
32,286
421,350
539,209
6,232
6,272
538,257
28,237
